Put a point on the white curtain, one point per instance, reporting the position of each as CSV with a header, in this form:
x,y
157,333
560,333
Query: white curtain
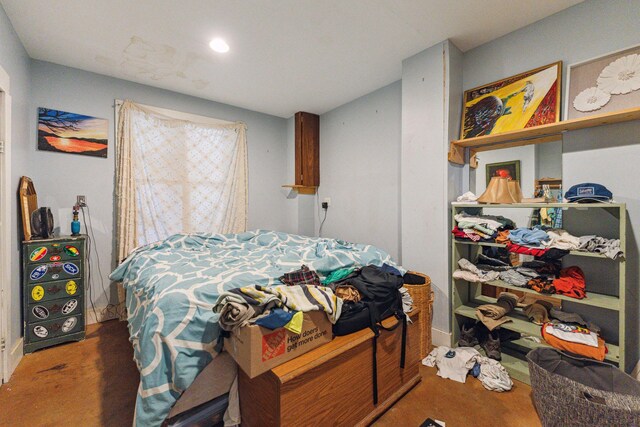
x,y
177,173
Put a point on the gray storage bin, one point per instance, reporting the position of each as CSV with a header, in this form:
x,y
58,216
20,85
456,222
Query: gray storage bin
x,y
574,391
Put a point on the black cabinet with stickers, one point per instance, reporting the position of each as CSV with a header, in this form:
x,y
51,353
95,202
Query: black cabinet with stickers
x,y
53,291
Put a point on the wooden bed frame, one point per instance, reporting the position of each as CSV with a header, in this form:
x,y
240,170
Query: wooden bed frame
x,y
333,384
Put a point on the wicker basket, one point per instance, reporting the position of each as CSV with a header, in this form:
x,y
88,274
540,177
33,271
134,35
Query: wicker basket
x,y
562,401
423,299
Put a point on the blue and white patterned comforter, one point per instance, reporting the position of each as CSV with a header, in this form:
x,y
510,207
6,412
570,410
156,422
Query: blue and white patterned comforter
x,y
173,284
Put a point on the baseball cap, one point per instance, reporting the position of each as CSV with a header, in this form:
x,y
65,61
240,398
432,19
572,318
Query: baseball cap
x,y
588,192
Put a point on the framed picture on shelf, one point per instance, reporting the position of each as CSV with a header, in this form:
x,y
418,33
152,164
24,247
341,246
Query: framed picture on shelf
x,y
510,169
525,100
604,84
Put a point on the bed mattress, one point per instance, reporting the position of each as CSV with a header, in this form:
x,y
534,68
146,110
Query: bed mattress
x,y
214,381
172,285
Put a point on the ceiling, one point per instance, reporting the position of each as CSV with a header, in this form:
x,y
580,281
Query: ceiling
x,y
286,55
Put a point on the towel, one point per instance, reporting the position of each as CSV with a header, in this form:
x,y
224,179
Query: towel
x,y
234,310
306,298
538,312
492,315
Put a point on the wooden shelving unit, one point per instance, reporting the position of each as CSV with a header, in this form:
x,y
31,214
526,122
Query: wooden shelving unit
x,y
536,135
302,189
466,296
307,153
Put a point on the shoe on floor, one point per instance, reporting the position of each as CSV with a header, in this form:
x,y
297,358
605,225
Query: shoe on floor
x,y
491,346
468,336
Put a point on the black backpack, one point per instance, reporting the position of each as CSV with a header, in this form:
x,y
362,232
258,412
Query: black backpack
x,y
381,299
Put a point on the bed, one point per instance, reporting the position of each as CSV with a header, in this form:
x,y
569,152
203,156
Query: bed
x,y
172,285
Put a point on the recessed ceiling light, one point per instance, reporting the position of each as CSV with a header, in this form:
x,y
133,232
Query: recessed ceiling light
x,y
219,45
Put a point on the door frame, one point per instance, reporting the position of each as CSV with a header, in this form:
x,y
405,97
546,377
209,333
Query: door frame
x,y
6,202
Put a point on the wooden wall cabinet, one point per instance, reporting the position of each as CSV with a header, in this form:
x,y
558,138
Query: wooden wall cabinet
x,y
307,155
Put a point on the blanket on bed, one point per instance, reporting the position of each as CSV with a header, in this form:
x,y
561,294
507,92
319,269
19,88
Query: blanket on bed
x,y
173,284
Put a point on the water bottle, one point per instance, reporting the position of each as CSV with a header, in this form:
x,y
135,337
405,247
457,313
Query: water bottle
x,y
75,224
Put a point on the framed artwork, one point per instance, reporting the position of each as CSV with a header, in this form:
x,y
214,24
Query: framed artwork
x,y
524,100
73,133
510,169
604,84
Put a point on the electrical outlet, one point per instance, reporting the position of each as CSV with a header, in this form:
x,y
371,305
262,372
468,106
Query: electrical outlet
x,y
82,201
327,200
325,205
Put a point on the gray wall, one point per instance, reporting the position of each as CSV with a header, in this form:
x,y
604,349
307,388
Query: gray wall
x,y
549,160
608,155
430,90
15,61
60,177
360,169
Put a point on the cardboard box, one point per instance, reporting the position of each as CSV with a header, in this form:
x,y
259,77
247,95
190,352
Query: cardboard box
x,y
257,349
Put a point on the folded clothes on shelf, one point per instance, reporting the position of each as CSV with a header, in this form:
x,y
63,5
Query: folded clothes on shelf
x,y
553,338
519,276
561,239
526,250
571,283
484,234
553,254
572,333
514,278
470,234
608,247
503,237
493,315
532,241
471,273
468,197
557,315
538,312
541,285
528,236
487,263
490,221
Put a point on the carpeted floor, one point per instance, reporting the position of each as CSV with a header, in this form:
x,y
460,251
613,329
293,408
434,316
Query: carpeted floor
x,y
94,383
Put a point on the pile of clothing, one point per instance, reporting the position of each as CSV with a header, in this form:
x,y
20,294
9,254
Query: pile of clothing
x,y
275,306
471,273
458,363
480,228
567,331
352,284
539,241
541,312
302,290
543,276
574,339
493,315
600,245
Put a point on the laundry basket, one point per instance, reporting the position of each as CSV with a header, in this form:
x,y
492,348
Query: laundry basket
x,y
423,299
573,391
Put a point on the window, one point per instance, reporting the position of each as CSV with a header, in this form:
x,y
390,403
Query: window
x,y
177,173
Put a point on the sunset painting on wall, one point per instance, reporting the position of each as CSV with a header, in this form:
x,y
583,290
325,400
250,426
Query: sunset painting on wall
x,y
72,133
